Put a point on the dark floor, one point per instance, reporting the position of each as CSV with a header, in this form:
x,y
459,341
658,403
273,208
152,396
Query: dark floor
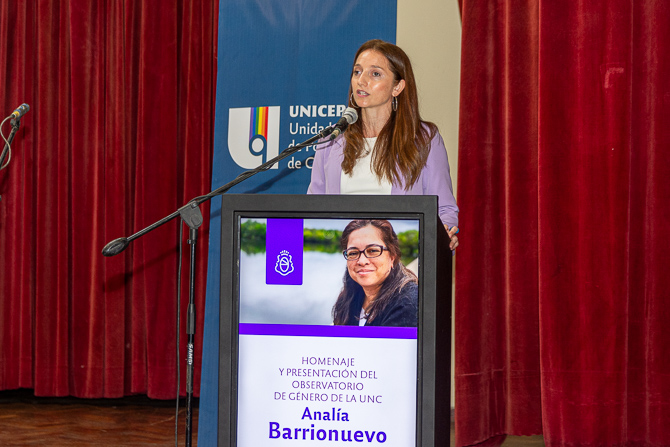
x,y
26,420
521,441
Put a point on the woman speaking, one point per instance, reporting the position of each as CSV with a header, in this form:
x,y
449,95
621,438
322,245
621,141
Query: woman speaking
x,y
378,289
390,149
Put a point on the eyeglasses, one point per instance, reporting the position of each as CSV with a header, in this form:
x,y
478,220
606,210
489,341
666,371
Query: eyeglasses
x,y
371,251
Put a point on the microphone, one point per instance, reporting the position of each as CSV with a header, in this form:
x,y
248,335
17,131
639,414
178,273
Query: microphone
x,y
20,111
350,116
115,247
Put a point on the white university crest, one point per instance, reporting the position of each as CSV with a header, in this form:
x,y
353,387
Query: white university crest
x,y
284,264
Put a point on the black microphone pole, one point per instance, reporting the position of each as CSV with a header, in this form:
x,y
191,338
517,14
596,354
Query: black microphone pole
x,y
191,215
15,123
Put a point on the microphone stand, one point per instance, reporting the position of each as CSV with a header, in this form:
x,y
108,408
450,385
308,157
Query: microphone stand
x,y
15,123
191,215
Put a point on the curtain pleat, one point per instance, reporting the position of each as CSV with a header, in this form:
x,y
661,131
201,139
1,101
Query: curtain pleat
x,y
497,339
583,187
119,135
648,343
561,295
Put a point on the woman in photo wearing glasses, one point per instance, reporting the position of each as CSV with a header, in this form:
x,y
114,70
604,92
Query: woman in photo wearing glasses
x,y
378,289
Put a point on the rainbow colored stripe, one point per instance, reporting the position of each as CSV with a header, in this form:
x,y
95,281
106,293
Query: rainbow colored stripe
x,y
258,124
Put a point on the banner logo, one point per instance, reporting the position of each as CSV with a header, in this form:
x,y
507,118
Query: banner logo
x,y
253,135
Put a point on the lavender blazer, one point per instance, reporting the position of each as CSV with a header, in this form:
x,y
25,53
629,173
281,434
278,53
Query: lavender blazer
x,y
434,179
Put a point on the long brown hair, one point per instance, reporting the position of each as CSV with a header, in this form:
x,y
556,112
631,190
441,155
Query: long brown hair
x,y
403,144
352,294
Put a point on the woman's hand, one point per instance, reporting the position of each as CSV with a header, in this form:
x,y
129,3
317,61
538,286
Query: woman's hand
x,y
452,235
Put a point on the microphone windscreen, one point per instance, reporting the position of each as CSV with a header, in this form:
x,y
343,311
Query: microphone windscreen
x,y
350,115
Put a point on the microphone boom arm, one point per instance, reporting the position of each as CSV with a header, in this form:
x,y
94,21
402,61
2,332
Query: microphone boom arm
x,y
118,245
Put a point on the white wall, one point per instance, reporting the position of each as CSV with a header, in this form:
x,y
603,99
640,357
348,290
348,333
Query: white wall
x,y
430,33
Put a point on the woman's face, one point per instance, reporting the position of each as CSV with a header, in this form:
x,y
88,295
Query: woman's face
x,y
372,81
370,273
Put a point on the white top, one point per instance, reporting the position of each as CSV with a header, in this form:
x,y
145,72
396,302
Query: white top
x,y
362,179
363,318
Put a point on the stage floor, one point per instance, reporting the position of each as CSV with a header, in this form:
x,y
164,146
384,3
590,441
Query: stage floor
x,y
26,420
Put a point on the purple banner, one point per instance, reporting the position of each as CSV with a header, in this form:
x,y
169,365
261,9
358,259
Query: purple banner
x,y
298,330
283,251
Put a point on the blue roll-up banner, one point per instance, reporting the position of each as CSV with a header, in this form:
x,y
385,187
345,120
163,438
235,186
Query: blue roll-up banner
x,y
283,73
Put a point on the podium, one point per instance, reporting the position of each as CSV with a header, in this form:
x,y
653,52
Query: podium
x,y
287,374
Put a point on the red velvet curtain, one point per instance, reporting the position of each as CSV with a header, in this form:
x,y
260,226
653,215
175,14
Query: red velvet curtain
x,y
119,135
562,288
